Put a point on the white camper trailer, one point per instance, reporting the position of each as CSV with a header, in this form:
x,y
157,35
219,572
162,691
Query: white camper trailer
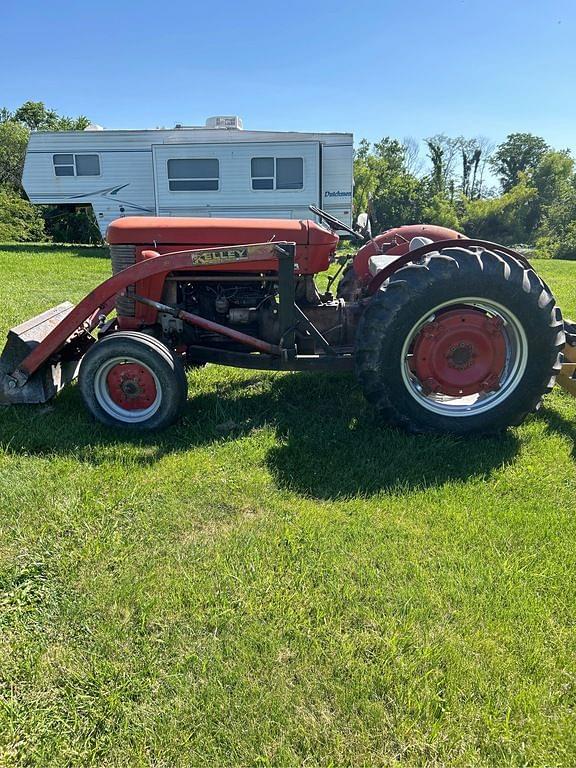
x,y
215,170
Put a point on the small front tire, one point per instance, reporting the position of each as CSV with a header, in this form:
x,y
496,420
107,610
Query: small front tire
x,y
130,379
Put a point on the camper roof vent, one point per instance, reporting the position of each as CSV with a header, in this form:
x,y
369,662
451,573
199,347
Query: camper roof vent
x,y
225,121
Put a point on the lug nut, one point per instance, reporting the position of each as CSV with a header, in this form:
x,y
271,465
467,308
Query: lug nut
x,y
490,383
430,385
493,325
430,330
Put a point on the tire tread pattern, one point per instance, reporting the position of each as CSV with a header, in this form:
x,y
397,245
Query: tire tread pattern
x,y
411,288
133,343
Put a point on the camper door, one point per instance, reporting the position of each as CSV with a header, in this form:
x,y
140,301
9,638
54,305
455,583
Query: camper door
x,y
337,169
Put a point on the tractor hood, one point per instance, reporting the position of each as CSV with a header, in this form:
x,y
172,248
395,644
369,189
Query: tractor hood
x,y
204,232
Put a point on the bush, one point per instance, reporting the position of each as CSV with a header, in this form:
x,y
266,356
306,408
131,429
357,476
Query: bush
x,y
68,224
441,211
561,246
20,221
505,219
557,233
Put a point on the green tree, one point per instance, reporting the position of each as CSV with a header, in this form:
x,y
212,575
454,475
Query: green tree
x,y
37,117
552,176
470,162
551,179
557,230
13,141
476,154
521,152
505,219
15,128
443,153
447,175
538,202
441,211
384,186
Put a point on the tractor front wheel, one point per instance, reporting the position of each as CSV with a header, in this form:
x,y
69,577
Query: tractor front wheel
x,y
466,342
131,379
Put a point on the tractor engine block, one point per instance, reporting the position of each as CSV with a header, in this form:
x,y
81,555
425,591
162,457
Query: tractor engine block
x,y
235,302
251,305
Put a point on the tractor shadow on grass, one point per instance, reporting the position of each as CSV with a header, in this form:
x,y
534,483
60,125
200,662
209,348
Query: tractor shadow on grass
x,y
77,251
328,443
331,446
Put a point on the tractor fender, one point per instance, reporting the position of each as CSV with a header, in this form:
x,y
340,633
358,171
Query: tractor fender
x,y
396,242
460,242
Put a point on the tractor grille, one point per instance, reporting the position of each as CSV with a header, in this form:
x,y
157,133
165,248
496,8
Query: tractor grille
x,y
123,256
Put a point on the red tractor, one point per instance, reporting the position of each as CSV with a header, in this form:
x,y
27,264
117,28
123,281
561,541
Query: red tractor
x,y
445,334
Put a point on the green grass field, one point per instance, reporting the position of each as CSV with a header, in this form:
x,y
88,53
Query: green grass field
x,y
278,580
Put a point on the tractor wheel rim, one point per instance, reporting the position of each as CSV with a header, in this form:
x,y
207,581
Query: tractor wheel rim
x,y
127,389
466,372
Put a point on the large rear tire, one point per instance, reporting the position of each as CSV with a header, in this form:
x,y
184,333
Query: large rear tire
x,y
130,379
466,342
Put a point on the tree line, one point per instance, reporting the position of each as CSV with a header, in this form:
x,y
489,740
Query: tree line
x,y
521,192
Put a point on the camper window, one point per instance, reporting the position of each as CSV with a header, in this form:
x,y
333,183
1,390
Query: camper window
x,y
279,173
87,165
289,173
193,175
76,165
262,173
64,165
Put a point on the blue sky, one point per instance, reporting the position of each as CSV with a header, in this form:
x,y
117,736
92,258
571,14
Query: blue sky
x,y
410,68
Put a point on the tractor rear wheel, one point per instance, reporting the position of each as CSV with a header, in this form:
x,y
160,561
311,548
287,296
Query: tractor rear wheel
x,y
466,342
131,379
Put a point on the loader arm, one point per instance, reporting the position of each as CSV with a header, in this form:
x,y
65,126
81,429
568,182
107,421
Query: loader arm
x,y
54,338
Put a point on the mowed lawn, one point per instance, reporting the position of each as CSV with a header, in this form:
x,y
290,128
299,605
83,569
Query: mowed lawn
x,y
279,580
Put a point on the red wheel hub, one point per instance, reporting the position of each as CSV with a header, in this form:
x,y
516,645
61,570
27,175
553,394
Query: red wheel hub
x,y
461,352
131,386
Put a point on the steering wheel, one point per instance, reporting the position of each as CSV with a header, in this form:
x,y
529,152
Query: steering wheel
x,y
335,223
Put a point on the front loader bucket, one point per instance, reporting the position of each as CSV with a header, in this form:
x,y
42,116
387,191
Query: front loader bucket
x,y
51,377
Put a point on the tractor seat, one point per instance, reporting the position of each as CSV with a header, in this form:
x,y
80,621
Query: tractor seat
x,y
380,261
